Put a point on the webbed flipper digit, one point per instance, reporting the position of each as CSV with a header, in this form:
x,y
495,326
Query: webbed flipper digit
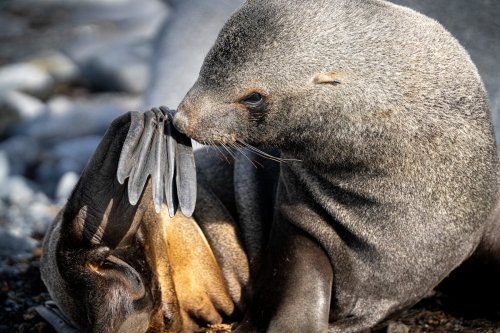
x,y
141,170
185,174
159,156
170,188
153,147
126,162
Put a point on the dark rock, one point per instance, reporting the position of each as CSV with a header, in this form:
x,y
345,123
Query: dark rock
x,y
22,152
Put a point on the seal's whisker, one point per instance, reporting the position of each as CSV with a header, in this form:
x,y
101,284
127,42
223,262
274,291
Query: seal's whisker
x,y
217,147
241,149
230,152
266,155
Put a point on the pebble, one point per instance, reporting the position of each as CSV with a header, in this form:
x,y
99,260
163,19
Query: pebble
x,y
59,66
74,119
22,153
68,156
11,244
16,107
395,327
16,191
119,67
26,77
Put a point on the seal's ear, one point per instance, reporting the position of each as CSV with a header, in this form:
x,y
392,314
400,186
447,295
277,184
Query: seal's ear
x,y
327,78
115,270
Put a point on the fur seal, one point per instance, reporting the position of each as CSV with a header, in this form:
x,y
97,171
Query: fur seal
x,y
116,267
398,175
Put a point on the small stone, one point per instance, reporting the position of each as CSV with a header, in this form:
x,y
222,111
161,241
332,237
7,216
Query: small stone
x,y
60,67
27,78
395,327
22,152
119,67
16,107
14,244
16,190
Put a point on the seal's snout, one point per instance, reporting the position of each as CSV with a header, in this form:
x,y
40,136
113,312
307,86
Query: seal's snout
x,y
181,121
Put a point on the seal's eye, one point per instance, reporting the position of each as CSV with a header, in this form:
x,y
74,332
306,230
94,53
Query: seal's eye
x,y
253,100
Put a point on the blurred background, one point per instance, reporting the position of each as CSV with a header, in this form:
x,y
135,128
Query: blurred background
x,y
69,67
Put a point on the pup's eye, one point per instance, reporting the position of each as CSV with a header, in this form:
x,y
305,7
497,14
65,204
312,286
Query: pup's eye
x,y
253,100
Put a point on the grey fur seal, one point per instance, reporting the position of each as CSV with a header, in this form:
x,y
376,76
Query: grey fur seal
x,y
398,180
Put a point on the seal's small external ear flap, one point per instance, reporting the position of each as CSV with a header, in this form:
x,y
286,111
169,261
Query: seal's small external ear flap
x,y
327,78
115,270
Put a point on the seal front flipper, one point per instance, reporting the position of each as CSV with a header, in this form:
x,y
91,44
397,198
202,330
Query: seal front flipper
x,y
296,278
141,170
169,168
186,174
144,154
126,162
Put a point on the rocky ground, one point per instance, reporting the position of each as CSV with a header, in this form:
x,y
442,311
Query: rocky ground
x,y
67,68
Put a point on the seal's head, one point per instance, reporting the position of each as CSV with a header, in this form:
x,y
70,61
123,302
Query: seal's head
x,y
328,76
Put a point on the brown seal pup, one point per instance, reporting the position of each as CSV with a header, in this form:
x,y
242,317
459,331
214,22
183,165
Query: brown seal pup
x,y
398,176
115,267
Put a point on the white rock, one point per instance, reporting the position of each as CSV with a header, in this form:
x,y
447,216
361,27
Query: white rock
x,y
16,191
26,77
16,107
81,118
60,67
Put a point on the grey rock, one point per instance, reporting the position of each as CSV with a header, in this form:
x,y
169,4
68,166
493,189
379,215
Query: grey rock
x,y
22,152
59,66
15,190
26,77
181,45
38,216
66,185
11,243
75,119
68,156
119,67
16,107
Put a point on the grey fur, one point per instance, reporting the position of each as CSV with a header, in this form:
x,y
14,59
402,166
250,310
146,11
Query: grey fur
x,y
399,170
